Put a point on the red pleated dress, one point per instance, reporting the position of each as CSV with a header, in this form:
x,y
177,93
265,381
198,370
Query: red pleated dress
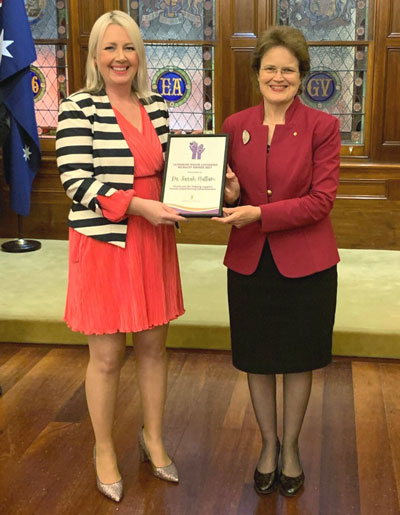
x,y
131,289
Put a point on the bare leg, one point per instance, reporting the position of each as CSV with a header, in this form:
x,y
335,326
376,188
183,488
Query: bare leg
x,y
296,394
263,396
102,378
151,362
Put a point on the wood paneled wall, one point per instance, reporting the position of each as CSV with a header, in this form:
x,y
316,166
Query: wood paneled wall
x,y
367,212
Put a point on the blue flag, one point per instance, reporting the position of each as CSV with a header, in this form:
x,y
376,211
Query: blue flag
x,y
21,151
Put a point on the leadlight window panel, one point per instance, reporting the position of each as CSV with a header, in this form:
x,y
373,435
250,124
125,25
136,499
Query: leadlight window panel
x,y
342,68
47,18
180,20
49,85
196,65
326,20
347,65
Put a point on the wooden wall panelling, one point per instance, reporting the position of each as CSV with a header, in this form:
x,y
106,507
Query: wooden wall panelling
x,y
245,17
225,63
391,128
385,141
87,16
393,189
245,92
83,50
83,14
49,204
240,24
394,19
367,212
367,224
363,188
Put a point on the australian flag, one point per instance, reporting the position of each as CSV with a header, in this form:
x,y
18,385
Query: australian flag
x,y
21,151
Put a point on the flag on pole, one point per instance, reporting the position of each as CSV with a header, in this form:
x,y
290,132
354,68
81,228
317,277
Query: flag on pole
x,y
21,151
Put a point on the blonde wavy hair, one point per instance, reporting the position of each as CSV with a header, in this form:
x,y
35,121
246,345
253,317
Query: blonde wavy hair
x,y
94,80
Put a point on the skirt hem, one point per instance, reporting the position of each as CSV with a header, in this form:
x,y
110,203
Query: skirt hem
x,y
290,370
86,332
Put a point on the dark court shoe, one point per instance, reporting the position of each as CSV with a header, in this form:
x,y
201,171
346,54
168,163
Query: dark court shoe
x,y
268,482
290,486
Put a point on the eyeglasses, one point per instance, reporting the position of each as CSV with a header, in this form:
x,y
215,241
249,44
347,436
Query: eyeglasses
x,y
273,70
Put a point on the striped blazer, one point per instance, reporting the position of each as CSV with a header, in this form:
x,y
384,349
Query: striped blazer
x,y
93,159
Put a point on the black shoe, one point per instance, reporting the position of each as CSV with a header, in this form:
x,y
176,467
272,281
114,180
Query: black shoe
x,y
290,486
267,483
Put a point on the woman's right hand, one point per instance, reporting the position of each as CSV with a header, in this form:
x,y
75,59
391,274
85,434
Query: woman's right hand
x,y
154,211
232,187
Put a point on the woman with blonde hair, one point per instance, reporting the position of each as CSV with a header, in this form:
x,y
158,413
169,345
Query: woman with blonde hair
x,y
123,266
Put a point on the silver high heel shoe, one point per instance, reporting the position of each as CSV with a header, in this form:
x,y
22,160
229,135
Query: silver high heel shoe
x,y
113,491
168,473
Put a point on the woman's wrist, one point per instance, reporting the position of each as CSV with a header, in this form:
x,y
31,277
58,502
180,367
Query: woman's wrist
x,y
232,200
135,206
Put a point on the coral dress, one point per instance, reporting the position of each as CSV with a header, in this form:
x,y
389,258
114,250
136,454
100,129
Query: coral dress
x,y
131,289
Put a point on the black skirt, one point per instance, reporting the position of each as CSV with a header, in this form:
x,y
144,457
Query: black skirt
x,y
281,325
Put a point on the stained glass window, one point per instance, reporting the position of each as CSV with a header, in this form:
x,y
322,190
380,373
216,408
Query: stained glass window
x,y
326,20
181,71
338,77
49,83
49,25
195,64
182,20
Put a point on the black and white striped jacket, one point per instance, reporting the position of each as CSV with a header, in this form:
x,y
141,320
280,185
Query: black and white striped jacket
x,y
93,159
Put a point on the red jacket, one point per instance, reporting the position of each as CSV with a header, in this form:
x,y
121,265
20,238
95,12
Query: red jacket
x,y
294,184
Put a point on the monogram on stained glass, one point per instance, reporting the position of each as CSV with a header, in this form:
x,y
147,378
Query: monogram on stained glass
x,y
322,88
179,36
49,85
38,83
174,85
183,75
348,66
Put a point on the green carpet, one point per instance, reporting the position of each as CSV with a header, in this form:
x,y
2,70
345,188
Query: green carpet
x,y
33,289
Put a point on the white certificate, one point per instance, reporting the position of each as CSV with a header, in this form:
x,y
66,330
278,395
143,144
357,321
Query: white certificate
x,y
194,174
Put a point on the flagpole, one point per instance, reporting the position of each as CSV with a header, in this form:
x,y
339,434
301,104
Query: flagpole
x,y
21,244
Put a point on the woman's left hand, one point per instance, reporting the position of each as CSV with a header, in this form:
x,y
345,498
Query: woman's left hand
x,y
239,216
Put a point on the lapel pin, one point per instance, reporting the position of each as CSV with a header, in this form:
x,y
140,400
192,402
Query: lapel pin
x,y
295,133
245,137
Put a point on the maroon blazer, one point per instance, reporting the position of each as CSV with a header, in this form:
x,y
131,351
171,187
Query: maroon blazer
x,y
294,184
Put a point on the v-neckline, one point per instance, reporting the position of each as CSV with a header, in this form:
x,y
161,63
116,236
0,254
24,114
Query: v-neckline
x,y
141,109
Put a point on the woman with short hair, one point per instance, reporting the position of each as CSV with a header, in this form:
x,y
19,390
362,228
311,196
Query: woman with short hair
x,y
282,254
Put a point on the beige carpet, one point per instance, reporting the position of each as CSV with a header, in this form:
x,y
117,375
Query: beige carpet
x,y
33,289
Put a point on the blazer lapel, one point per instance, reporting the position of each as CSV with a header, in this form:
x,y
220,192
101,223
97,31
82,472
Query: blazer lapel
x,y
158,121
